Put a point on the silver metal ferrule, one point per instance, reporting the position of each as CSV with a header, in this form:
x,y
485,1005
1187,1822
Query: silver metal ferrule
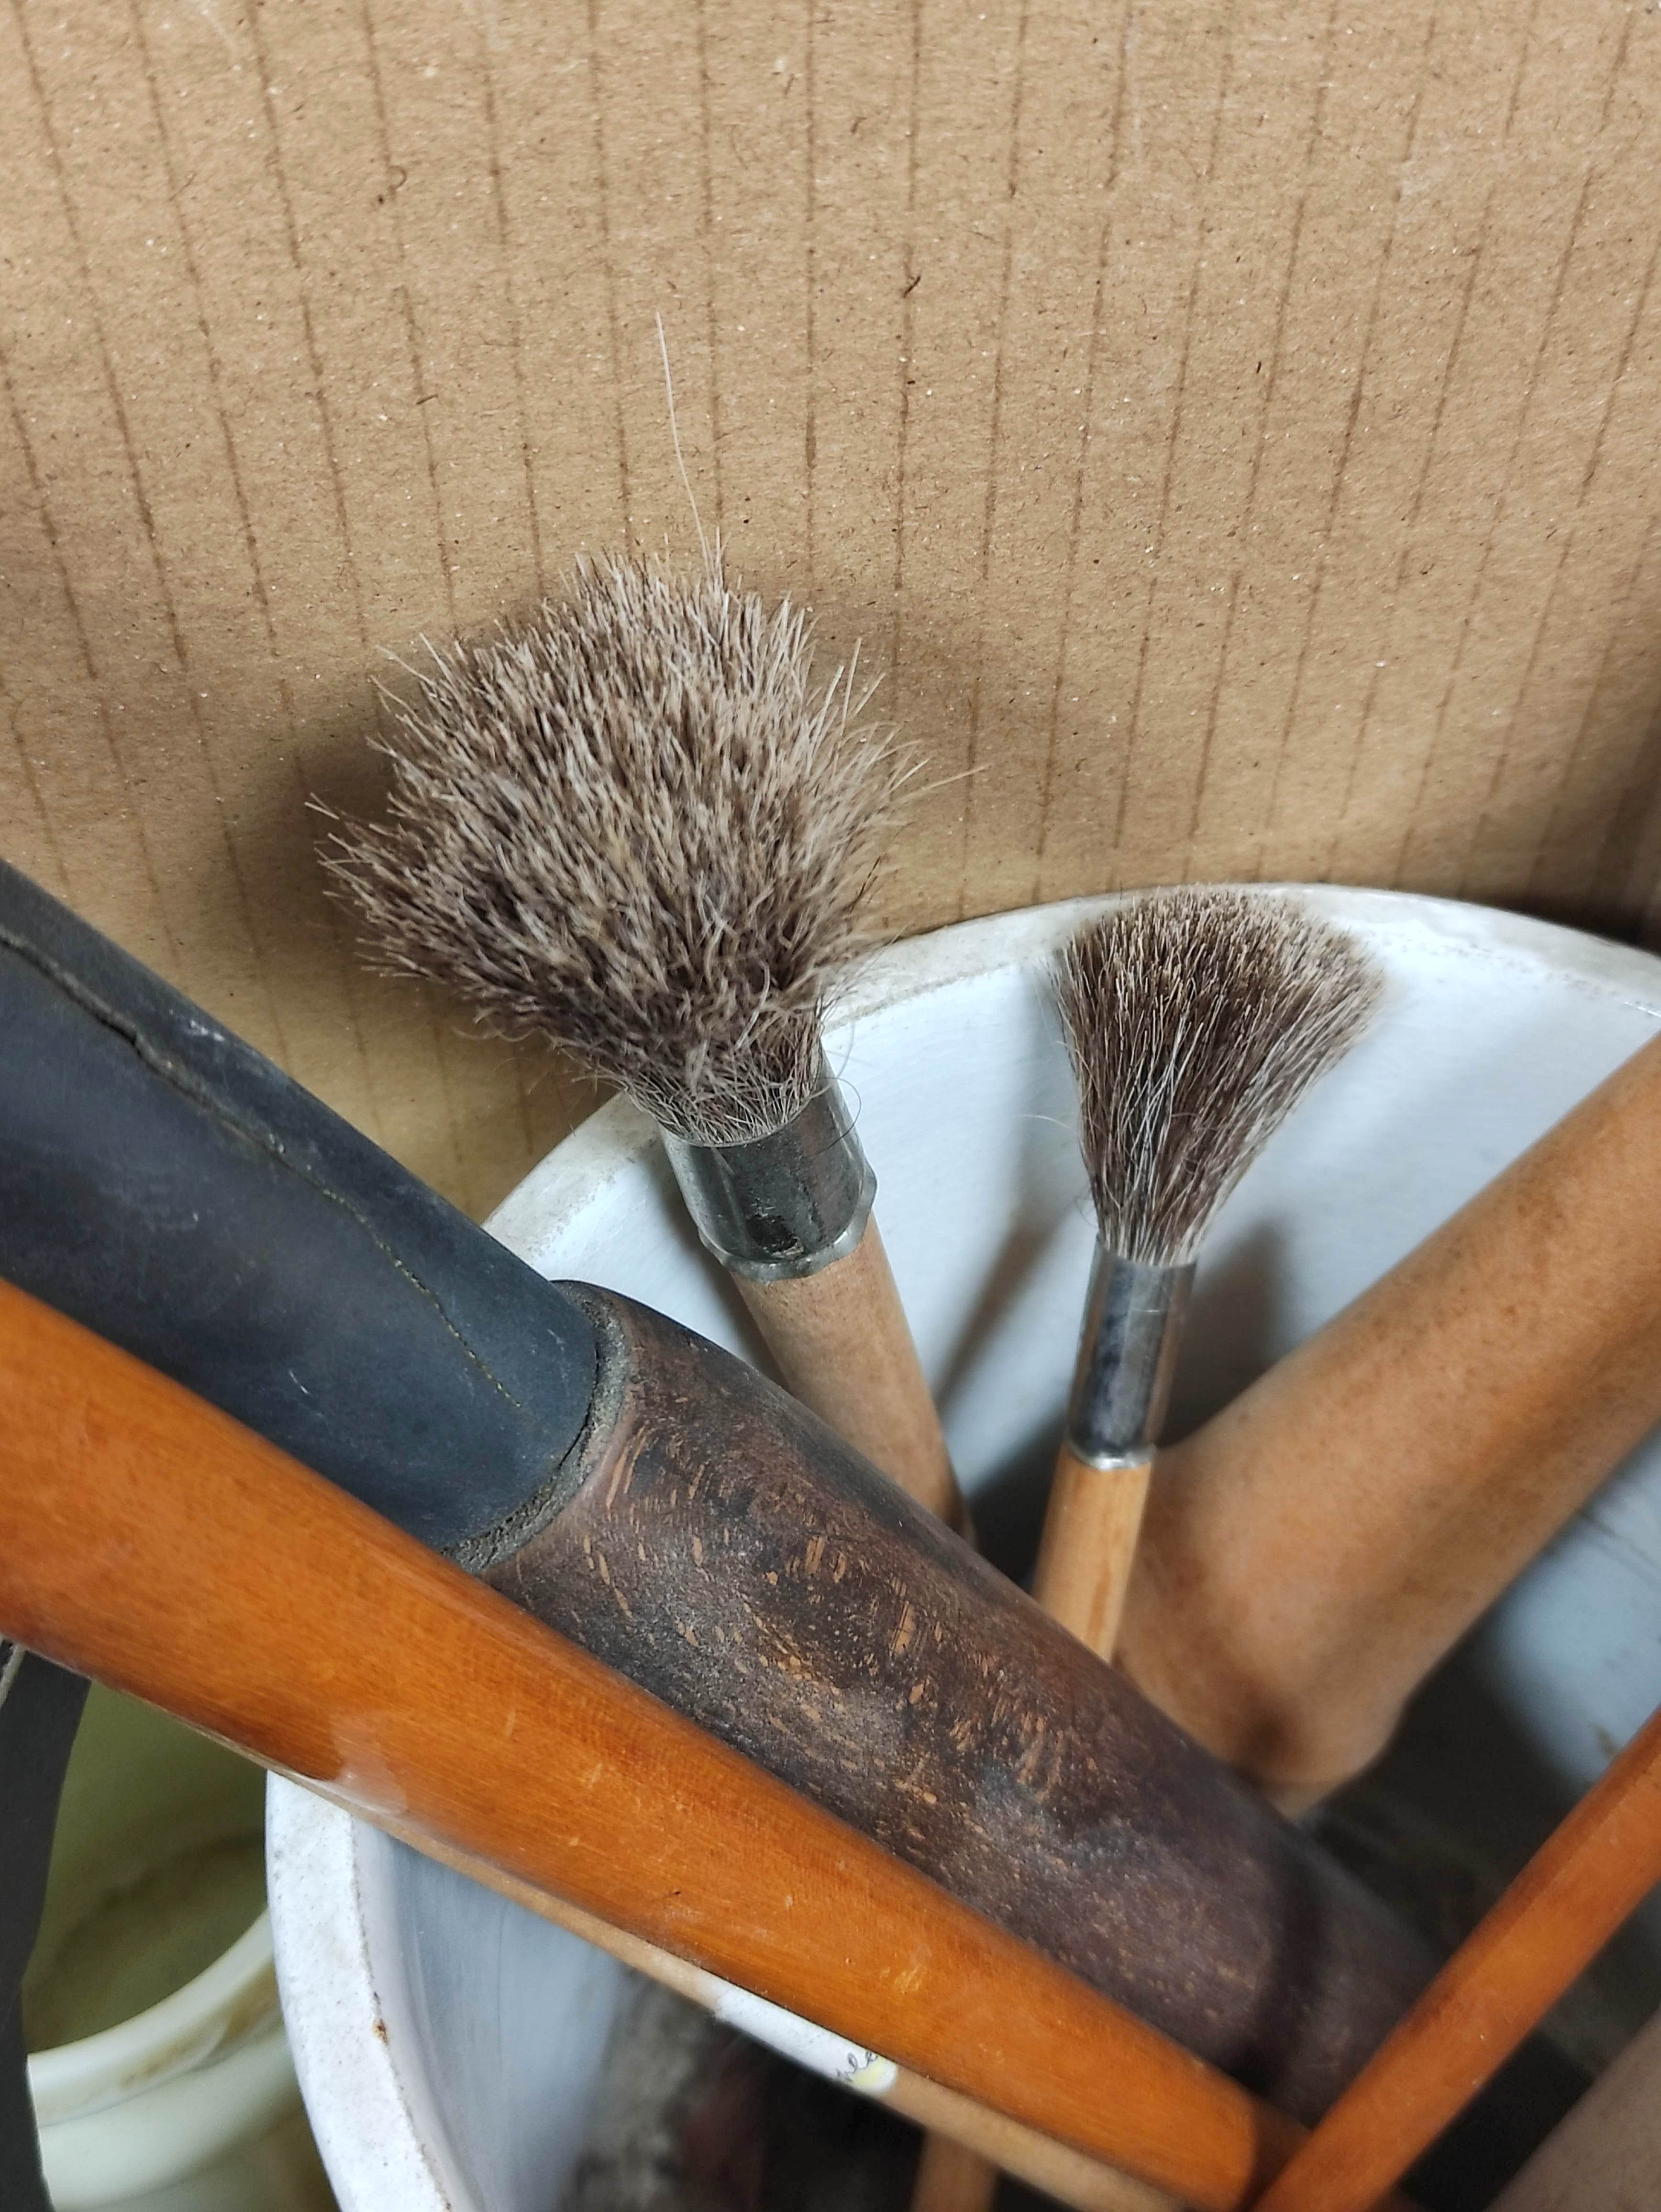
x,y
1127,1358
788,1203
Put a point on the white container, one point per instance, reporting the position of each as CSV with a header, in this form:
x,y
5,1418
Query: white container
x,y
154,1901
448,2043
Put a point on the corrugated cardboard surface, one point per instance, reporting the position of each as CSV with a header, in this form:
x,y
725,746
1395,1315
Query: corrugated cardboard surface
x,y
1233,426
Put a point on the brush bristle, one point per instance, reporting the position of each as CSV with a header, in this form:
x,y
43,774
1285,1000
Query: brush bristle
x,y
634,825
1196,1019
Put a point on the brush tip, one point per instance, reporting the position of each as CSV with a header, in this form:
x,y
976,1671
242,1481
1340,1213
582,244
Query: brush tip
x,y
1196,1019
636,825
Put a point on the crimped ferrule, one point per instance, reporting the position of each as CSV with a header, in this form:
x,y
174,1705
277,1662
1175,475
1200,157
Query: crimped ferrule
x,y
783,1205
1127,1358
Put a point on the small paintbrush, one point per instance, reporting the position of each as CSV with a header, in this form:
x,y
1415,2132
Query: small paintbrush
x,y
1196,1019
636,826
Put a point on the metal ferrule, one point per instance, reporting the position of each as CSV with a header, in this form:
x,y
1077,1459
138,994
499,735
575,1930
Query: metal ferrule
x,y
1127,1358
783,1205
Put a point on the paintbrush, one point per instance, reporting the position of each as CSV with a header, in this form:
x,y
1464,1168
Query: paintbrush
x,y
636,826
1196,1020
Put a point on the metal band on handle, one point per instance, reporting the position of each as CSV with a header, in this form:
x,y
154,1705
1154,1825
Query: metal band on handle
x,y
1127,1359
783,1205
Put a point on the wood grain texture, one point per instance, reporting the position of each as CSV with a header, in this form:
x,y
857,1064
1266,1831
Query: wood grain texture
x,y
976,2134
1226,422
718,1545
1590,1875
843,1346
147,1540
1312,1552
1089,1543
1084,1556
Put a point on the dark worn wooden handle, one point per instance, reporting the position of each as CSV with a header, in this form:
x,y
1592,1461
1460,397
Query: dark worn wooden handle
x,y
718,1545
149,1540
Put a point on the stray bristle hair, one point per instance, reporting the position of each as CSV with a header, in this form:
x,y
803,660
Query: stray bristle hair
x,y
1196,1019
634,825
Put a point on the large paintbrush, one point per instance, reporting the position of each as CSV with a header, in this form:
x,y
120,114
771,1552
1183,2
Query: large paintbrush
x,y
1195,1020
636,826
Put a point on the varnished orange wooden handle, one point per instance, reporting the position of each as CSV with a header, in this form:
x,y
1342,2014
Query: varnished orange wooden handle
x,y
149,1540
843,1346
971,2133
1594,1871
1311,1553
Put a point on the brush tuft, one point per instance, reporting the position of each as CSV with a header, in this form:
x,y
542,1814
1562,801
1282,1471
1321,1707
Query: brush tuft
x,y
1196,1019
635,826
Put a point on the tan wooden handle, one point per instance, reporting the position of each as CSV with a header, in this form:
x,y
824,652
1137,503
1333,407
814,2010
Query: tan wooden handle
x,y
844,1347
1311,1553
1088,1547
1589,1876
149,1540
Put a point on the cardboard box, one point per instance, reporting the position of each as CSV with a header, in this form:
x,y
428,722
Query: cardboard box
x,y
1233,426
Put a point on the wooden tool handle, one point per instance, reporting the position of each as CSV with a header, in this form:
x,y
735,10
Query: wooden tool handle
x,y
844,1347
147,1540
1084,1565
715,1542
1310,1554
1590,1875
1088,1547
974,2131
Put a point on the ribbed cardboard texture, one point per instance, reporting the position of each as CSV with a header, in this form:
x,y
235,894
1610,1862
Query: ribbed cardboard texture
x,y
1231,426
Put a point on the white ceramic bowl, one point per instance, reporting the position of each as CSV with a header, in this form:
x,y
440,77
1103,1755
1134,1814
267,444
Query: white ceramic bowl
x,y
448,2043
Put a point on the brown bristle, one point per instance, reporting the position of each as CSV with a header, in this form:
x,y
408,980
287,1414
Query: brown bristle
x,y
634,825
1196,1019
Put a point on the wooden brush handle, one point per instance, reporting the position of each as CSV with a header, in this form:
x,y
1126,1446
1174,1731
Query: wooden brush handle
x,y
974,2131
844,1347
715,1542
1088,1547
1310,1554
147,1540
1589,1876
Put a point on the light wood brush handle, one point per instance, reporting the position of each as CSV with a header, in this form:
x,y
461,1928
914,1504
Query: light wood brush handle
x,y
149,1540
1311,1553
1591,1874
844,1347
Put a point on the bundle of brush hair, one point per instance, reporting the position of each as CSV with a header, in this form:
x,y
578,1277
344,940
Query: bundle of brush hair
x,y
635,825
1196,1018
